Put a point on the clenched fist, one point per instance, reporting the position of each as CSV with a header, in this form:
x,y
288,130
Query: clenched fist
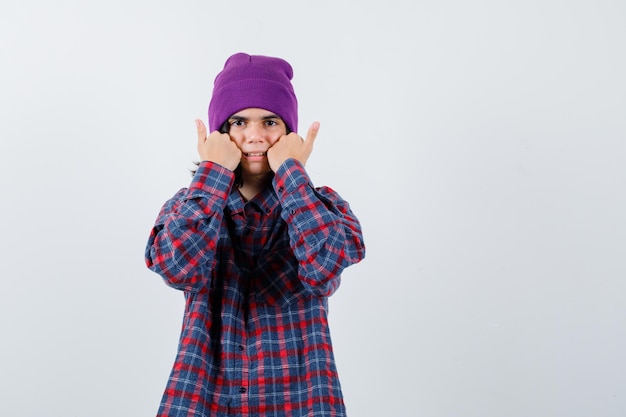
x,y
217,147
292,146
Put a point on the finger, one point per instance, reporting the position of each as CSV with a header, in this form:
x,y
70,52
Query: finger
x,y
201,131
312,134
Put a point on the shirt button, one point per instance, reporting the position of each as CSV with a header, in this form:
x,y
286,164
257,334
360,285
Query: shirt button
x,y
242,390
281,189
292,211
241,347
268,211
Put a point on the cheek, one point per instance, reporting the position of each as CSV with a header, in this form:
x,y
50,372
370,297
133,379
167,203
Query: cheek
x,y
273,140
238,139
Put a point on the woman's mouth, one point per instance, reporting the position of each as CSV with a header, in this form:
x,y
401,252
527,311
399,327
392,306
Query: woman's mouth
x,y
252,154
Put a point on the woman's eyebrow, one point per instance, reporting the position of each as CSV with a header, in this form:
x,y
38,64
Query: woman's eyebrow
x,y
246,119
269,116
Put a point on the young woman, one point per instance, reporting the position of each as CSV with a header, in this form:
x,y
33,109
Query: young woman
x,y
257,250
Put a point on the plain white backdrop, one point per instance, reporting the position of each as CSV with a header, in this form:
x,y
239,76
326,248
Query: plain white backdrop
x,y
481,143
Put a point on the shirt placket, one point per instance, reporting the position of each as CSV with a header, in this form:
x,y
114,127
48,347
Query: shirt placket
x,y
242,347
244,382
251,220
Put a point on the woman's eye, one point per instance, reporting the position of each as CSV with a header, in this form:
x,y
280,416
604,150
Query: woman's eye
x,y
236,122
271,122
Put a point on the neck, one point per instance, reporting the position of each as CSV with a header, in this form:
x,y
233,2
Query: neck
x,y
253,184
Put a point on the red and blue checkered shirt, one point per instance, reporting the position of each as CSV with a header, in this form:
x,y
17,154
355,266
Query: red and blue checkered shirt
x,y
256,276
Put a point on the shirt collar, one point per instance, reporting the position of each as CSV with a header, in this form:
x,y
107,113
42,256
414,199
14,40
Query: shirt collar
x,y
266,201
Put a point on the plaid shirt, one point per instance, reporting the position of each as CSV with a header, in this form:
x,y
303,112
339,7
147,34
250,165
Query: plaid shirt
x,y
256,276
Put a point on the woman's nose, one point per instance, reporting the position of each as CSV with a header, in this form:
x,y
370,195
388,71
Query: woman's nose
x,y
254,132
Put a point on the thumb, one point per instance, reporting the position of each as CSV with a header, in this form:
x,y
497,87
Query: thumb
x,y
312,134
201,131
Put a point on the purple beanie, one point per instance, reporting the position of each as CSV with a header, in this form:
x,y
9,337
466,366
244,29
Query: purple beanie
x,y
253,81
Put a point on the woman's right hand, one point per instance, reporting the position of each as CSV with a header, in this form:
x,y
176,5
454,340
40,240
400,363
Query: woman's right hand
x,y
217,147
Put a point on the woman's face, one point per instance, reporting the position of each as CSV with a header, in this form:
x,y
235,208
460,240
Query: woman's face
x,y
254,131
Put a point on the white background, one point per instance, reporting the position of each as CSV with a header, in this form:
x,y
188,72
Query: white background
x,y
481,143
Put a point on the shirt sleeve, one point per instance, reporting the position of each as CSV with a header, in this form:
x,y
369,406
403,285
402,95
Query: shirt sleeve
x,y
325,235
182,243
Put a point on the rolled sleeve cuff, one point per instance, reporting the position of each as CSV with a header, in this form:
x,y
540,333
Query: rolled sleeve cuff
x,y
212,178
290,176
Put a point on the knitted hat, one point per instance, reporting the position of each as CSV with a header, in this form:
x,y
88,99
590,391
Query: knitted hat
x,y
253,81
